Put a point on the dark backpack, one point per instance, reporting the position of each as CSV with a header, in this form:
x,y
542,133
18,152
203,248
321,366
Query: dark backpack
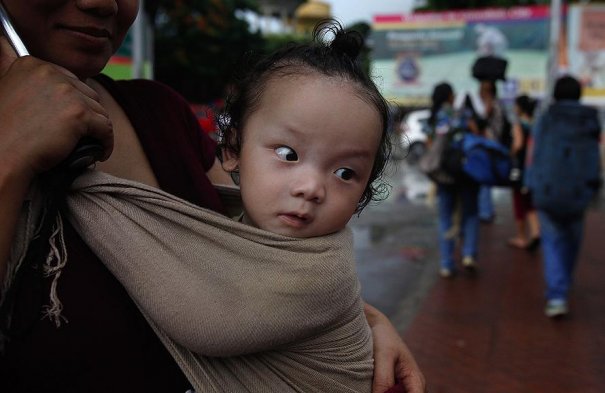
x,y
564,171
441,162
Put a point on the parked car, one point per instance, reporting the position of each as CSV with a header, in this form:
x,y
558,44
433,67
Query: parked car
x,y
413,137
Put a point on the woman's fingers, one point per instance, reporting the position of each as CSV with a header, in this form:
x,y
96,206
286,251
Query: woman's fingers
x,y
45,110
384,372
101,129
7,55
393,361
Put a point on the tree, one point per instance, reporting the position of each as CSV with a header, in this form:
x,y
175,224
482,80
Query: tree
x,y
199,42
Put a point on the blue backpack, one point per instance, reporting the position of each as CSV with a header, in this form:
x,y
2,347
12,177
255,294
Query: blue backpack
x,y
481,160
564,172
459,155
486,161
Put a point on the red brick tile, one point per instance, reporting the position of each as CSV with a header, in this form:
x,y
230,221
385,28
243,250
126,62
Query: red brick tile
x,y
488,334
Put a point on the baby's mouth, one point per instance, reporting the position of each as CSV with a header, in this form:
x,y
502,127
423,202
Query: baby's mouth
x,y
295,219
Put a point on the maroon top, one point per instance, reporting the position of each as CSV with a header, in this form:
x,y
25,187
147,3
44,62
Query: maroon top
x,y
106,345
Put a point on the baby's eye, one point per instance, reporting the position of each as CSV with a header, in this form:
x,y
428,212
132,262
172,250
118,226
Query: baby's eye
x,y
344,173
286,153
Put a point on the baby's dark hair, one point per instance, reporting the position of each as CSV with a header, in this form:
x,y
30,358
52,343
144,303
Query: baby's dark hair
x,y
526,104
337,58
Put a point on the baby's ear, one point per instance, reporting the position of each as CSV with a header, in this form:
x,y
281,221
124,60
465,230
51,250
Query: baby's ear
x,y
230,161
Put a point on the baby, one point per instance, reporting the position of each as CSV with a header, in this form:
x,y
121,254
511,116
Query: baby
x,y
274,305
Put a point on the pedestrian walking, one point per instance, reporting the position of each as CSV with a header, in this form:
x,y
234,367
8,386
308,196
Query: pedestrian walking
x,y
526,217
563,176
495,127
457,199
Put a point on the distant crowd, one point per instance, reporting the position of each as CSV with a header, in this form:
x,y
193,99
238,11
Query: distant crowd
x,y
550,161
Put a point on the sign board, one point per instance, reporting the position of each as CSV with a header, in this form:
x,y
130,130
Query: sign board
x,y
586,49
411,53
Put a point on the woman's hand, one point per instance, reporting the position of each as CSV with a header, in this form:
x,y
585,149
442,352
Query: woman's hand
x,y
44,111
393,361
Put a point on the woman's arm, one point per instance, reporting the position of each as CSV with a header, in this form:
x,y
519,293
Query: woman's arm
x,y
44,111
518,139
13,188
393,361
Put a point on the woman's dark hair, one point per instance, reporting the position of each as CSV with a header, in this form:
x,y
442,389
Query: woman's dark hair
x,y
441,94
567,88
336,58
526,104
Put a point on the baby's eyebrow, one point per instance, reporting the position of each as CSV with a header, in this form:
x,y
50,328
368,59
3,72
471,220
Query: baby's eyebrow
x,y
354,157
295,132
356,153
364,153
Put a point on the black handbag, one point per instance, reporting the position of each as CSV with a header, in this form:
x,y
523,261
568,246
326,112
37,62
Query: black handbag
x,y
490,68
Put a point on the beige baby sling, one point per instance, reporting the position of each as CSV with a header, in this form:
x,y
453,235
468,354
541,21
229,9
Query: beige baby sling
x,y
240,309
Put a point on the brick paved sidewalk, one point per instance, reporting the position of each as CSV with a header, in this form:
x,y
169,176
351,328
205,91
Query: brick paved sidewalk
x,y
488,334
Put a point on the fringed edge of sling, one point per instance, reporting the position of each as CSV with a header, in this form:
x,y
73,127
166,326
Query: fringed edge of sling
x,y
55,262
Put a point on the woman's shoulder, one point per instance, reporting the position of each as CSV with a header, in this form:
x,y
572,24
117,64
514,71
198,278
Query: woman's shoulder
x,y
150,89
526,125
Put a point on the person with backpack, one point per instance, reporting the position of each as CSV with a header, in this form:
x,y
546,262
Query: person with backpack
x,y
526,217
495,126
563,175
455,193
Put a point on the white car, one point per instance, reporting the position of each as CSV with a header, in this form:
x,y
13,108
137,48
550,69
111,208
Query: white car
x,y
413,135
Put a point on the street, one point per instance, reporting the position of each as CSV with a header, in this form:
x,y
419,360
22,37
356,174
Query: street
x,y
484,333
395,246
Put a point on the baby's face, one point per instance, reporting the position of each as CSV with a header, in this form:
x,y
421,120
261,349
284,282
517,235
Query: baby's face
x,y
307,154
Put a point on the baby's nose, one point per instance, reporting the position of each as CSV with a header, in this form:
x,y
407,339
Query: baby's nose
x,y
310,186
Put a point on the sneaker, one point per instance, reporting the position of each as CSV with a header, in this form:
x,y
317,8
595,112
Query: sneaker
x,y
488,219
446,272
556,308
469,262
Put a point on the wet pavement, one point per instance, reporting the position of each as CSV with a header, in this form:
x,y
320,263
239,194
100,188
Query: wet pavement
x,y
395,246
484,333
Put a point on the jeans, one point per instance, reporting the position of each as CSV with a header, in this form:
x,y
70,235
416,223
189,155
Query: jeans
x,y
448,195
486,204
561,240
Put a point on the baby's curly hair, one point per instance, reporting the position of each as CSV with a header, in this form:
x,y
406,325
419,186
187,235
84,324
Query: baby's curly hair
x,y
334,58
